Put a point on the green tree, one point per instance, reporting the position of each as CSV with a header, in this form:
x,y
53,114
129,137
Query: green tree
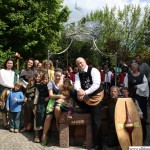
x,y
31,27
146,53
122,31
147,34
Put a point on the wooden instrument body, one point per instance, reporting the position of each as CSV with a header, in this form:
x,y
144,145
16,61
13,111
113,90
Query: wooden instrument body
x,y
120,119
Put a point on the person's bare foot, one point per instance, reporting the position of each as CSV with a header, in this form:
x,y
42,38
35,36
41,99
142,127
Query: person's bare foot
x,y
23,130
44,141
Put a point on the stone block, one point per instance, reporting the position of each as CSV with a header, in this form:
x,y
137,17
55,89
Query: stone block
x,y
77,120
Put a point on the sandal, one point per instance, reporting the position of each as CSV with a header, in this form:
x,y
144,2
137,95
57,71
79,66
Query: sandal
x,y
44,143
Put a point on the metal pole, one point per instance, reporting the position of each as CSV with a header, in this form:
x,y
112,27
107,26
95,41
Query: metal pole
x,y
114,56
18,64
48,55
116,69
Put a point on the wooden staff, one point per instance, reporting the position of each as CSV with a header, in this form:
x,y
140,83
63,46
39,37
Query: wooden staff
x,y
18,57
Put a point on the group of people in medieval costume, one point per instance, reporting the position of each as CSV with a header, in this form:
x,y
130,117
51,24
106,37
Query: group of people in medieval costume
x,y
39,92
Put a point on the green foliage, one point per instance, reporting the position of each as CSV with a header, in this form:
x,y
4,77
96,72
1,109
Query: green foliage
x,y
147,34
122,31
4,56
31,27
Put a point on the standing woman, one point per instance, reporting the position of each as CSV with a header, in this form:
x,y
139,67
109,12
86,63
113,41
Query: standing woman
x,y
49,67
25,76
138,87
29,71
7,79
53,88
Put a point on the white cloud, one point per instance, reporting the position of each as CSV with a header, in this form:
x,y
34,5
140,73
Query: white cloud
x,y
91,5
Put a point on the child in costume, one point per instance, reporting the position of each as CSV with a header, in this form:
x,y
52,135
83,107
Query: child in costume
x,y
14,105
29,94
40,102
67,103
29,100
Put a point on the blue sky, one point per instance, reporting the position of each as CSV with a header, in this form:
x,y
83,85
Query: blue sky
x,y
86,6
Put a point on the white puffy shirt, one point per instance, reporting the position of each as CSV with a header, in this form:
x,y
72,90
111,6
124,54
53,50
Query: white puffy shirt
x,y
7,78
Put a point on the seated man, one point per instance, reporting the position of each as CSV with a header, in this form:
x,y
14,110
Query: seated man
x,y
89,94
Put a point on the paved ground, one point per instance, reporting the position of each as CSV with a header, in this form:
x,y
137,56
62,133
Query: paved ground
x,y
18,141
